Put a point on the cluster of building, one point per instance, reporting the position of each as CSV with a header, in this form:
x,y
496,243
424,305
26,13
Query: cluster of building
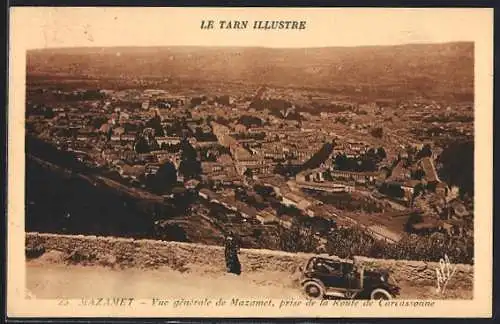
x,y
245,144
261,156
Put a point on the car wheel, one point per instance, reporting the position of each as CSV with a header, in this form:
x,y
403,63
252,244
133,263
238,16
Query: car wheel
x,y
380,294
314,290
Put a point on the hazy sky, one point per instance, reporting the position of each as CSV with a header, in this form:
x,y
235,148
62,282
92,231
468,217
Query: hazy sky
x,y
66,27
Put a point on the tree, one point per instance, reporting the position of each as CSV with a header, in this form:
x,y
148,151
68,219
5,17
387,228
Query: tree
x,y
141,145
129,127
418,174
155,123
341,161
414,218
165,178
367,164
424,152
287,170
97,122
319,157
297,239
279,169
248,173
222,121
458,166
195,101
264,190
250,121
170,232
190,166
392,190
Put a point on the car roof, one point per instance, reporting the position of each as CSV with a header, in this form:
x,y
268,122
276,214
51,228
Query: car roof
x,y
332,259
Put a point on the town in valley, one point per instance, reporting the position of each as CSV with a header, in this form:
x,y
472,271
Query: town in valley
x,y
324,157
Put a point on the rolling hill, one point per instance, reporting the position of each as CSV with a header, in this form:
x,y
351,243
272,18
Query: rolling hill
x,y
431,69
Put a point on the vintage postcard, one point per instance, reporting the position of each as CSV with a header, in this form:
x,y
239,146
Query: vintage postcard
x,y
250,162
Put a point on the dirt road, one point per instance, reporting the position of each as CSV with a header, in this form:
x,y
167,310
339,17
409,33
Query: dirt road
x,y
62,281
49,280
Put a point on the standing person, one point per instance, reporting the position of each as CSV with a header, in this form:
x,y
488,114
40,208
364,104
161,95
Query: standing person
x,y
231,251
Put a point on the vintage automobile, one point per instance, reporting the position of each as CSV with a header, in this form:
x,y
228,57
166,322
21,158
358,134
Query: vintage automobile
x,y
324,277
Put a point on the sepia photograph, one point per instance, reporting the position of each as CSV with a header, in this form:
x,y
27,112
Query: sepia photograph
x,y
295,162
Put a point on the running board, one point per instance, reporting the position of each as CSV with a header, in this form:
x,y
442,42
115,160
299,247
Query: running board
x,y
342,293
343,289
336,294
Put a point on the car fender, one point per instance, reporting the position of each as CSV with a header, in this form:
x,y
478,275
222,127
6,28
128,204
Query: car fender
x,y
382,290
386,286
319,282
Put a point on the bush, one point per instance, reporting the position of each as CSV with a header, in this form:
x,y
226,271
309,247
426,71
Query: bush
x,y
297,239
79,256
354,241
35,251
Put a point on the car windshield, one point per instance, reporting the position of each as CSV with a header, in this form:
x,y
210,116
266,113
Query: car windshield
x,y
324,265
310,264
391,280
347,267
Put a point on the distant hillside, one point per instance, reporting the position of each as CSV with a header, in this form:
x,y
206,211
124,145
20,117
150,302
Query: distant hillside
x,y
444,69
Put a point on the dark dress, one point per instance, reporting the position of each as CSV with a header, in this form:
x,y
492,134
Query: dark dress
x,y
231,254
